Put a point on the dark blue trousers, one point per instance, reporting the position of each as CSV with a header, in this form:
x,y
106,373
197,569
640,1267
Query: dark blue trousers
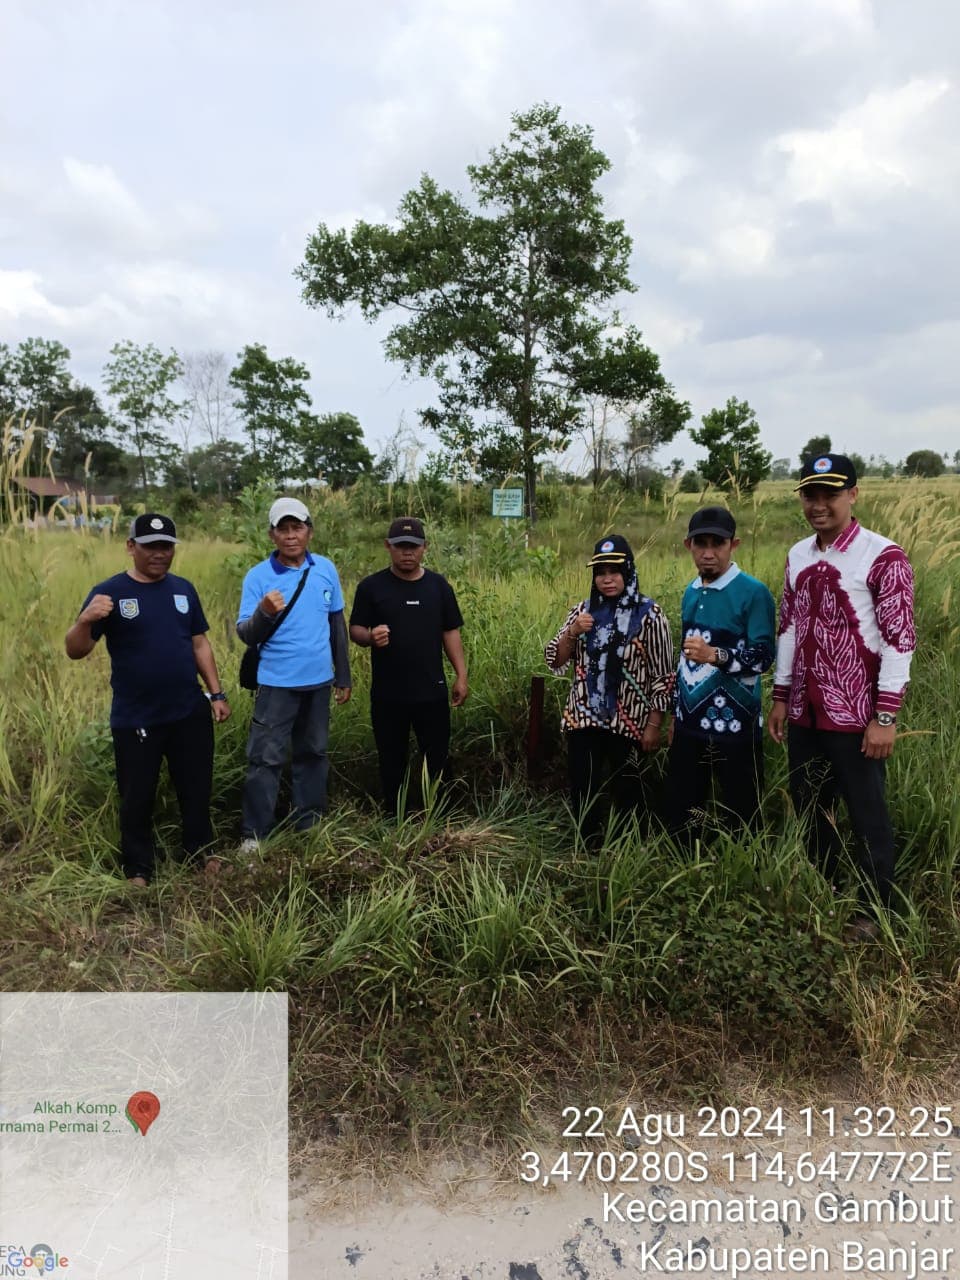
x,y
187,747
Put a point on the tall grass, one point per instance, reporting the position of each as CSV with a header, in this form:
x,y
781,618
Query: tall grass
x,y
461,971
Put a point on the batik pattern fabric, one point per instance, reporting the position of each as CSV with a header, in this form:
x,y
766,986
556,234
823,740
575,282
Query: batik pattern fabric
x,y
847,631
615,623
735,613
646,663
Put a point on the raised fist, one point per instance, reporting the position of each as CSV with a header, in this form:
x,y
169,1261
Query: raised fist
x,y
98,608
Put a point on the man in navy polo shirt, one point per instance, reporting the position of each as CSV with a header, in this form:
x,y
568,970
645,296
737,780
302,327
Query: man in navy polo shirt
x,y
300,662
156,638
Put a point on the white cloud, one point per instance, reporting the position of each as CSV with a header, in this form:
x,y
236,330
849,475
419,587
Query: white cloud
x,y
787,172
23,302
870,148
96,190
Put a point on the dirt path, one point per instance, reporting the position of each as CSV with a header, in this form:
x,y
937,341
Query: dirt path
x,y
736,1215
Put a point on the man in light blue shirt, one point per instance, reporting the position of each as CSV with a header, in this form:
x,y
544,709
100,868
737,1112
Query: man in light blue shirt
x,y
301,659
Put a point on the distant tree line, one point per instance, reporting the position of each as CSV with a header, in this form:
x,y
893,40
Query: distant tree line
x,y
190,422
502,298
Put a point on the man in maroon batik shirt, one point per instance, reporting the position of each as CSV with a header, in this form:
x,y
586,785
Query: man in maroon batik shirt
x,y
845,642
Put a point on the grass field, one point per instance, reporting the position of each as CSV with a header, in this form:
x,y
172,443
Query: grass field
x,y
451,978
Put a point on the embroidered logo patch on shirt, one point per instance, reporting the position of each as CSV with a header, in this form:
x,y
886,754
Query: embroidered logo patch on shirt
x,y
129,608
182,603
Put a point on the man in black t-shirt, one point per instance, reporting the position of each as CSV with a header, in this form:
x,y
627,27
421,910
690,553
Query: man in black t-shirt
x,y
409,618
156,637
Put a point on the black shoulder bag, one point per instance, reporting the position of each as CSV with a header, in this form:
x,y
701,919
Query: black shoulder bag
x,y
250,662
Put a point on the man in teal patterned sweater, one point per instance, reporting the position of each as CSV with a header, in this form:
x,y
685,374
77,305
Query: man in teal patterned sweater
x,y
728,629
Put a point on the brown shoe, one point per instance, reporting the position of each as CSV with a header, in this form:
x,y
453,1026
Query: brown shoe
x,y
861,929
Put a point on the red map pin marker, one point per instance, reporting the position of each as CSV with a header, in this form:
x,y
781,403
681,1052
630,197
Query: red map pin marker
x,y
142,1109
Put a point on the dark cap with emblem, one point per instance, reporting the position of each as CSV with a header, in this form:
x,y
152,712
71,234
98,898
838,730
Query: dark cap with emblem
x,y
406,529
152,527
716,520
832,470
613,550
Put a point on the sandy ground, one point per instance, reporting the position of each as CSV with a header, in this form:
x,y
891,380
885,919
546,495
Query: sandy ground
x,y
531,1232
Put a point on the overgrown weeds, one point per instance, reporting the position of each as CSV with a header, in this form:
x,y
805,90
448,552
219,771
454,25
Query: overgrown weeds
x,y
457,974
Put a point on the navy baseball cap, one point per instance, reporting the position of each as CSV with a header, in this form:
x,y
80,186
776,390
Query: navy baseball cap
x,y
152,527
832,470
614,550
716,520
406,529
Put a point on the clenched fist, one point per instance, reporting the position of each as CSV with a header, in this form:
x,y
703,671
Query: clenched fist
x,y
99,607
272,603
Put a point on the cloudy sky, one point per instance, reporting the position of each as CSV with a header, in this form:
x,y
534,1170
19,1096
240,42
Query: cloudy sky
x,y
787,169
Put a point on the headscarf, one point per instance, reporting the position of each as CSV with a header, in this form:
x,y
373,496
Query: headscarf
x,y
615,625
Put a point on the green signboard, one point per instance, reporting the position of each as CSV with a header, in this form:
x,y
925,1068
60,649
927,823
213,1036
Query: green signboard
x,y
508,504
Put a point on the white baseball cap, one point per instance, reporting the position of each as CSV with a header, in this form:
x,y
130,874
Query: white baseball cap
x,y
284,507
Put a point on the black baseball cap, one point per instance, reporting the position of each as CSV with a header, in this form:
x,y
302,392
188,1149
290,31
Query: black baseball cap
x,y
716,520
152,527
406,529
614,551
832,470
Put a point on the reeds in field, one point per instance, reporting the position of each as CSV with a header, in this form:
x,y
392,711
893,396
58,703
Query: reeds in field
x,y
458,970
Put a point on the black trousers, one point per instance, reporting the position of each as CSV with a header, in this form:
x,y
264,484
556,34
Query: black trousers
x,y
734,764
824,766
597,763
392,722
187,746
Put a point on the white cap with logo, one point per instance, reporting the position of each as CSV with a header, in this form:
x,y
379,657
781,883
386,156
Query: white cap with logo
x,y
284,507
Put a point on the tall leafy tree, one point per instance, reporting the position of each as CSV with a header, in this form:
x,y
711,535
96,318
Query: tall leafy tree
x,y
222,469
36,383
139,381
503,298
332,449
271,399
814,447
647,429
79,429
34,379
735,458
924,462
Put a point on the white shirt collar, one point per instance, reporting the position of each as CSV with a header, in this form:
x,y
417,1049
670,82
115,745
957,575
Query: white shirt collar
x,y
719,583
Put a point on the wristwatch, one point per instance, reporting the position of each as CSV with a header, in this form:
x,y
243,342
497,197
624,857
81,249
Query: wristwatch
x,y
723,657
218,697
885,719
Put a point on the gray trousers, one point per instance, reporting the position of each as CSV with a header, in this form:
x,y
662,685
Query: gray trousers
x,y
282,719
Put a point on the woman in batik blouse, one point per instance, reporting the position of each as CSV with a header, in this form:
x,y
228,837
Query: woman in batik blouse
x,y
619,643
